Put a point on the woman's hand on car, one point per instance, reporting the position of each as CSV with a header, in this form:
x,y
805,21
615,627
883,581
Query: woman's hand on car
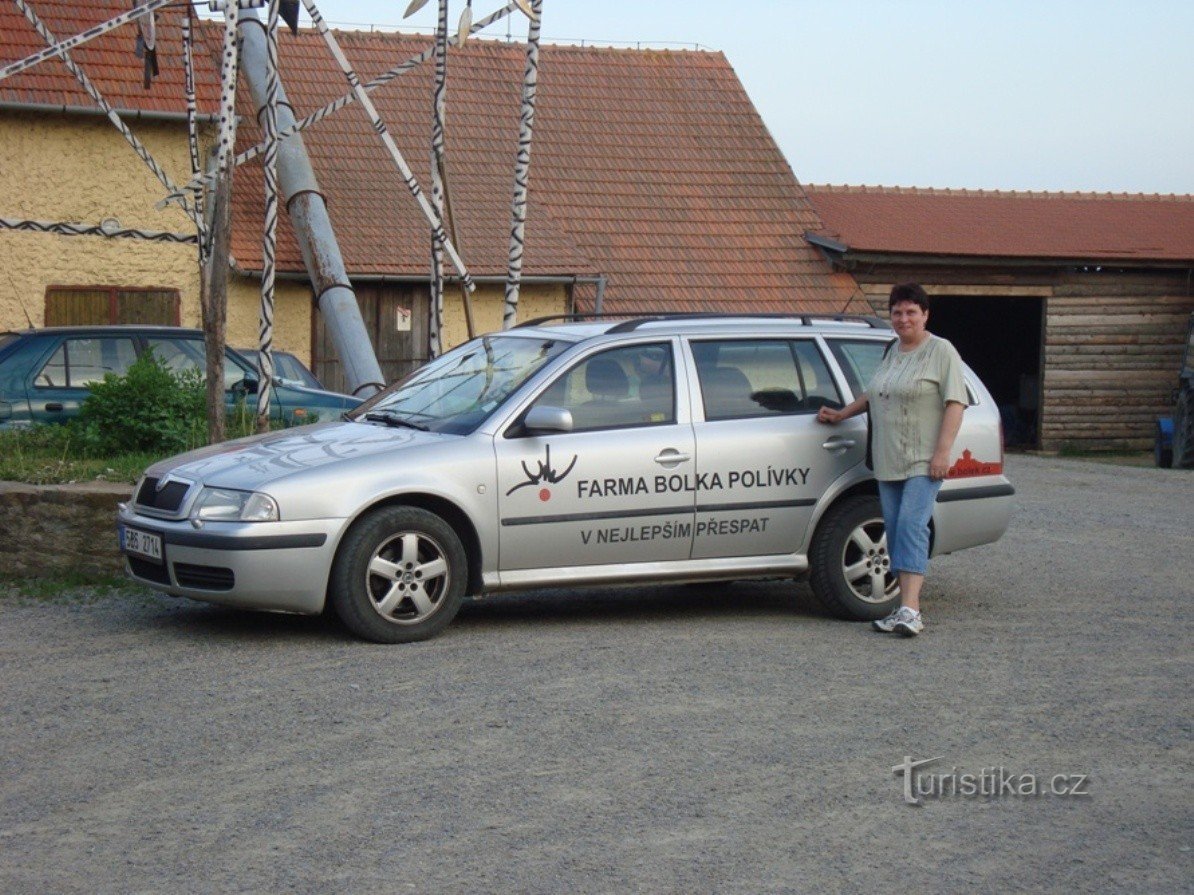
x,y
829,415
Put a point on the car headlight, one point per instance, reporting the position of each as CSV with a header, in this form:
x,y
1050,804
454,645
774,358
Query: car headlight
x,y
235,506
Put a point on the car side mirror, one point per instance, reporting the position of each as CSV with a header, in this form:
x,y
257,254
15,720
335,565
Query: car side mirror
x,y
247,386
547,419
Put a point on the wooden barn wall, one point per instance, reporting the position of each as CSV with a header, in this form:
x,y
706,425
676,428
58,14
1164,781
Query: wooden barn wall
x,y
1112,342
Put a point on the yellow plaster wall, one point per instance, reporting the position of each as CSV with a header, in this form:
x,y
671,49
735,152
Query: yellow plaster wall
x,y
539,300
292,315
78,168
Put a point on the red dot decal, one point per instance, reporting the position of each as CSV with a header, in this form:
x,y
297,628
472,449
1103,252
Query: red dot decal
x,y
544,494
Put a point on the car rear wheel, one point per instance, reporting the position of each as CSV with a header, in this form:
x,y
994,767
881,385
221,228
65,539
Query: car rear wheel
x,y
399,576
850,565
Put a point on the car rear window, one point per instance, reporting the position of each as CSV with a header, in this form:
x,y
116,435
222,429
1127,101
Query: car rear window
x,y
858,358
762,377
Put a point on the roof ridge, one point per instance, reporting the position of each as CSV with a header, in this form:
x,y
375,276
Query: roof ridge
x,y
994,194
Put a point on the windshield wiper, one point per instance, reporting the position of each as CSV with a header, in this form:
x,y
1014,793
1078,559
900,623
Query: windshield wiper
x,y
391,418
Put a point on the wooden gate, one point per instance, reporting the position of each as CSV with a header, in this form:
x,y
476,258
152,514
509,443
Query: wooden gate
x,y
396,318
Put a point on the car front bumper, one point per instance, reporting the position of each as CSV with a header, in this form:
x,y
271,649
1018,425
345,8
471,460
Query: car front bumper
x,y
274,566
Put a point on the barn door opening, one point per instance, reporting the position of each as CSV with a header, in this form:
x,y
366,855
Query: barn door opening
x,y
395,316
1000,338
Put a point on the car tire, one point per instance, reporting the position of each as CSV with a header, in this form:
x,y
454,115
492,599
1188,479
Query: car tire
x,y
399,576
848,560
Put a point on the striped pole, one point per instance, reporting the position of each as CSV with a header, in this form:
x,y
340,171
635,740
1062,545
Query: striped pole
x,y
522,169
113,117
68,228
60,48
435,326
351,97
437,224
188,58
265,334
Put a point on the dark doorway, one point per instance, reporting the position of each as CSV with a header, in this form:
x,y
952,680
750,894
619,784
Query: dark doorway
x,y
396,317
1000,338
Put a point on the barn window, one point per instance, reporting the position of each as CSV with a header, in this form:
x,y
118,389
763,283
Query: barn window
x,y
105,305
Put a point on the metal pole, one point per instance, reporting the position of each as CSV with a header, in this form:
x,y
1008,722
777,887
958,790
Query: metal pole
x,y
312,225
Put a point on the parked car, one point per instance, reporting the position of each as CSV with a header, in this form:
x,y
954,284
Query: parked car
x,y
287,367
648,450
46,374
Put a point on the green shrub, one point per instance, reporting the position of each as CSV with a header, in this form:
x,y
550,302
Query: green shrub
x,y
149,409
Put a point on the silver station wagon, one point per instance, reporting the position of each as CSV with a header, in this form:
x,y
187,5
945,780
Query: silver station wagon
x,y
563,452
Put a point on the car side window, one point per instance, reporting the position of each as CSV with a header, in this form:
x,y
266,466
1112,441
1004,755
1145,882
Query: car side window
x,y
79,362
858,358
629,386
762,377
181,355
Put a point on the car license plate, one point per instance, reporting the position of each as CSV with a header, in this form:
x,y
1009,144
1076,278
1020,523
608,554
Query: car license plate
x,y
141,543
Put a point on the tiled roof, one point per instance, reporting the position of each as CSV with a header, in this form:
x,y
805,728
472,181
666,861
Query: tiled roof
x,y
651,167
108,60
1081,226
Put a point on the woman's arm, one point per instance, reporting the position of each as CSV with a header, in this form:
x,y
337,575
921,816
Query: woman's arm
x,y
855,407
951,422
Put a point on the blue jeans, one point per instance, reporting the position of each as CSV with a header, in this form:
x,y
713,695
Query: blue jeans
x,y
907,508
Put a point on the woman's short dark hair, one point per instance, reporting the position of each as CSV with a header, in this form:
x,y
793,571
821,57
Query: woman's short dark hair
x,y
912,292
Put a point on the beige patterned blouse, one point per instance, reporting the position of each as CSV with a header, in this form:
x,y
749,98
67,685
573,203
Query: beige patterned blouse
x,y
907,395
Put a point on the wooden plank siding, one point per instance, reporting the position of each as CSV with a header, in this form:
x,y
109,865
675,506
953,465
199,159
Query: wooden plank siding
x,y
1112,341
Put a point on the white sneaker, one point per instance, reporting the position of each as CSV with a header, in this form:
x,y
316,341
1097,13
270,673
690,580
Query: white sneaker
x,y
903,616
909,625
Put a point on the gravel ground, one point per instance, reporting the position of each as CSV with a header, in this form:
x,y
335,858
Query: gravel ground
x,y
667,739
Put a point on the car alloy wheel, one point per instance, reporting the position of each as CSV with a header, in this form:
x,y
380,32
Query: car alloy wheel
x,y
866,564
407,578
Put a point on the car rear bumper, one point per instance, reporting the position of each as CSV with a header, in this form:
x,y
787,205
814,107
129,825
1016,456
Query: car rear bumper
x,y
274,566
971,512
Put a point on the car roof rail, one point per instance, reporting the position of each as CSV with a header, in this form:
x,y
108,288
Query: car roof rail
x,y
805,319
564,318
635,319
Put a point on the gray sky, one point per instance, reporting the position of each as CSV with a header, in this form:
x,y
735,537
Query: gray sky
x,y
992,94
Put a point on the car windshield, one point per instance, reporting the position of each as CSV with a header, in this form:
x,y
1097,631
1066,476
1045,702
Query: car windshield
x,y
457,392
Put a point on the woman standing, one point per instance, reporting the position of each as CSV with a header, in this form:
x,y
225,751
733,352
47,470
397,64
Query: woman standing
x,y
916,399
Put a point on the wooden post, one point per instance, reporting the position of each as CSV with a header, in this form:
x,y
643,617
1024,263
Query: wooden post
x,y
214,285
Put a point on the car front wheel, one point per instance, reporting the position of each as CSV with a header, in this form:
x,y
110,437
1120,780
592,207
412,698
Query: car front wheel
x,y
850,565
399,575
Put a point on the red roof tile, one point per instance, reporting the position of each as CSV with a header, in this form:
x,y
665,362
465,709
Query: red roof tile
x,y
108,61
650,167
1081,226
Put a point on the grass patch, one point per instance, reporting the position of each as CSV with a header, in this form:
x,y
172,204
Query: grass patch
x,y
58,455
74,587
51,455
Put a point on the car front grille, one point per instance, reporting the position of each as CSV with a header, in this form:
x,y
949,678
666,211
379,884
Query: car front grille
x,y
203,577
167,499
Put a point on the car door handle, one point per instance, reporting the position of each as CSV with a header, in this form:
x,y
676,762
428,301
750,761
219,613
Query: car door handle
x,y
54,407
839,444
672,457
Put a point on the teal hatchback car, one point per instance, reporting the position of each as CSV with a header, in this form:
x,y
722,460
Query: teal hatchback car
x,y
46,374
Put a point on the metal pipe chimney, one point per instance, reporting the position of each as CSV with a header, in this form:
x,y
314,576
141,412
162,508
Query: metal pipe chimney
x,y
312,226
